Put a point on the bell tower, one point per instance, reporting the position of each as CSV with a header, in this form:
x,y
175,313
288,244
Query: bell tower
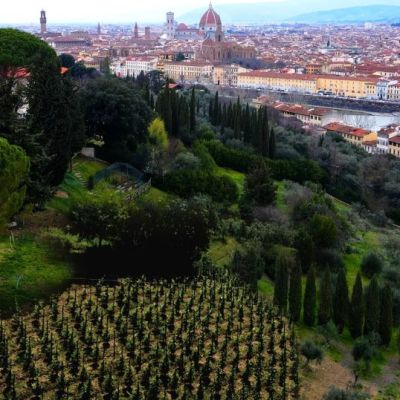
x,y
43,22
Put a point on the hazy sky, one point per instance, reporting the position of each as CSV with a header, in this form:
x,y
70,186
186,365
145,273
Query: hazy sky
x,y
143,11
27,11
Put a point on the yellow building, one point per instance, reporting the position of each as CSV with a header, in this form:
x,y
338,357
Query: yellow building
x,y
347,86
191,71
394,146
278,81
356,87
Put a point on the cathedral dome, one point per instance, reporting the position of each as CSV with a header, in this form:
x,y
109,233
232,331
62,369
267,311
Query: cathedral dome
x,y
210,19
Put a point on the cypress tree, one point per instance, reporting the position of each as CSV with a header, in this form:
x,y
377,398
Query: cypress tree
x,y
193,111
264,132
211,111
247,125
372,307
325,309
216,109
386,317
310,298
341,301
281,284
295,293
272,144
356,312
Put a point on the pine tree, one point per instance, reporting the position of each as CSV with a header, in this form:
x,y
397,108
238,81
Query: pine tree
x,y
295,293
341,301
372,307
310,298
325,309
386,315
356,312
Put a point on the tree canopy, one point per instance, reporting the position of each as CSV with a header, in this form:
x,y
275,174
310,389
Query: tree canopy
x,y
14,170
17,48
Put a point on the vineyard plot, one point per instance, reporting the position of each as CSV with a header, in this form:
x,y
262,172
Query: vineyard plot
x,y
204,338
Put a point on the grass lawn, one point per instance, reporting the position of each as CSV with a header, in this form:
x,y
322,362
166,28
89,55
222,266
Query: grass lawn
x,y
29,270
75,182
221,252
237,177
369,241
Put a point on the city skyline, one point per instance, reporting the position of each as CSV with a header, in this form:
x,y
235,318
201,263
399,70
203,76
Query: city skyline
x,y
153,11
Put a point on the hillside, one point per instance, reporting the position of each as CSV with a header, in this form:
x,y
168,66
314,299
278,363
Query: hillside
x,y
286,10
204,338
352,15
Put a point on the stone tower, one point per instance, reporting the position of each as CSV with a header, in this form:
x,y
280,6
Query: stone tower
x,y
170,26
147,33
136,31
98,29
43,22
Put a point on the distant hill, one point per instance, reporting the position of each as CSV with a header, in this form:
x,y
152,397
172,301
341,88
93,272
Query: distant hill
x,y
352,15
290,11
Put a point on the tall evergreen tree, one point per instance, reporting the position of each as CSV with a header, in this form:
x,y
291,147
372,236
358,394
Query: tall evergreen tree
x,y
341,301
295,293
193,111
325,309
215,109
54,115
281,284
356,312
372,307
310,297
259,186
272,144
386,315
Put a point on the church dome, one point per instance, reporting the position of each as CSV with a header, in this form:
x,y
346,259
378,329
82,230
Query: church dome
x,y
210,18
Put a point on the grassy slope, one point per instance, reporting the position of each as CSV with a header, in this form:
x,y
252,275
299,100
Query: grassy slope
x,y
29,270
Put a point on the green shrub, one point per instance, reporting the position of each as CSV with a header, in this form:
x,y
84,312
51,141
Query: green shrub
x,y
371,264
189,182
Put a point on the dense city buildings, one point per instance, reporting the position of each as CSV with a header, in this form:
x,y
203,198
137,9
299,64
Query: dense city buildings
x,y
348,62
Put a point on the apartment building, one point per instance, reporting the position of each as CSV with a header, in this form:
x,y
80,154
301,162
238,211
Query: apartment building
x,y
356,87
278,81
191,71
356,136
385,135
227,75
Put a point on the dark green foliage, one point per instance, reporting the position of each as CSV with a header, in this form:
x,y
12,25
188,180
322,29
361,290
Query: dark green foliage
x,y
248,263
386,315
193,111
66,60
188,182
340,394
116,113
325,308
310,299
272,144
305,249
311,352
179,229
259,186
17,49
372,307
371,264
55,116
14,171
362,350
356,311
341,301
323,231
295,293
242,160
281,283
